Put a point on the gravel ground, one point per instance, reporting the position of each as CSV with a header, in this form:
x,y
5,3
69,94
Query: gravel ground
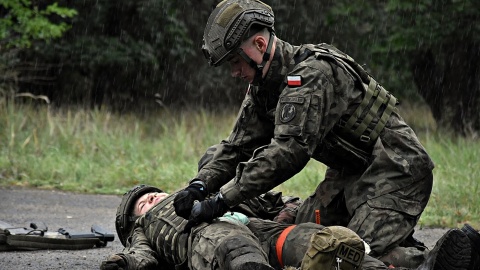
x,y
78,212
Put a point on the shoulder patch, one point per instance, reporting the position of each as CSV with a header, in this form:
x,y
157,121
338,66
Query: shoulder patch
x,y
294,80
288,113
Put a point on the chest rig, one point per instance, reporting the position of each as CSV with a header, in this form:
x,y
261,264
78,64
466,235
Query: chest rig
x,y
165,229
349,144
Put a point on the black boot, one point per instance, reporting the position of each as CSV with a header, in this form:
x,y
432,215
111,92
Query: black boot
x,y
452,252
474,237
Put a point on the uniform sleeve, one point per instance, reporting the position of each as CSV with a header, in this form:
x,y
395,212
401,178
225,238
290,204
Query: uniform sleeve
x,y
252,130
138,252
301,122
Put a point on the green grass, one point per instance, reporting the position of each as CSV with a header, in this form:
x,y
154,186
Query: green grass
x,y
101,152
455,196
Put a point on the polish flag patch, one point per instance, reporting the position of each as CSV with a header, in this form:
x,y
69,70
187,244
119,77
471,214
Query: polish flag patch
x,y
294,80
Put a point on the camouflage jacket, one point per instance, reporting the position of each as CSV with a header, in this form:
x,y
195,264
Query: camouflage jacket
x,y
283,123
157,237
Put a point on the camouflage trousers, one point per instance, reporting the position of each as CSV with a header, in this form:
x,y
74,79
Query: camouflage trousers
x,y
383,228
308,245
215,245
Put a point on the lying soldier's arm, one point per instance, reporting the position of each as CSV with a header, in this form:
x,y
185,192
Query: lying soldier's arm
x,y
137,254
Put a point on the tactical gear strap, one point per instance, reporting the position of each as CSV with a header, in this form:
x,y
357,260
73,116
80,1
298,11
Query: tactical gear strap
x,y
195,230
362,126
280,241
20,238
392,101
379,96
375,100
356,115
171,226
29,242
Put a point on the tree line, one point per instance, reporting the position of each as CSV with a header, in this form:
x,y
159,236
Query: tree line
x,y
139,55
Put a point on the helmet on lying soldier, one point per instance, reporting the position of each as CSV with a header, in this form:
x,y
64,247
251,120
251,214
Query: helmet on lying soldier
x,y
125,219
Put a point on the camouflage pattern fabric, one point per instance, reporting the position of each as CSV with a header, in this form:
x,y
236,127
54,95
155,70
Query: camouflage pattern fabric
x,y
211,244
380,222
209,247
272,205
157,240
280,127
299,241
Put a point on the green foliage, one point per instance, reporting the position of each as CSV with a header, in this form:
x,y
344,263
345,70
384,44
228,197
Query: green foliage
x,y
22,22
128,54
123,53
403,26
390,34
429,24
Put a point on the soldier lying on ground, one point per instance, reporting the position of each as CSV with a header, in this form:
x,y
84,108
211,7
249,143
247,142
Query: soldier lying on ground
x,y
154,236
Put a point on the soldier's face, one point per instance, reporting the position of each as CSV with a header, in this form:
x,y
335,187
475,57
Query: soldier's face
x,y
147,201
240,69
253,48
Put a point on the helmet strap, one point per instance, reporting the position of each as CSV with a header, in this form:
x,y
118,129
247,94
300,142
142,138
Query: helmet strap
x,y
257,79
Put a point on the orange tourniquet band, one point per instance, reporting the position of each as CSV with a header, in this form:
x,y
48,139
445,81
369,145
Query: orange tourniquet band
x,y
280,242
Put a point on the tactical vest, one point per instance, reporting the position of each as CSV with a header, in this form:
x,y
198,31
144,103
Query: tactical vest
x,y
353,136
163,228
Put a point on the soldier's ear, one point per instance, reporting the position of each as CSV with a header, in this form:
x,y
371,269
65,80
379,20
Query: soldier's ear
x,y
260,43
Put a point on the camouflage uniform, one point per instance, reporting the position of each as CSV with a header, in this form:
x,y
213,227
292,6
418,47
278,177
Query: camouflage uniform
x,y
305,238
379,192
157,241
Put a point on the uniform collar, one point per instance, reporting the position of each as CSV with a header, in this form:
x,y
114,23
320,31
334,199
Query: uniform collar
x,y
279,66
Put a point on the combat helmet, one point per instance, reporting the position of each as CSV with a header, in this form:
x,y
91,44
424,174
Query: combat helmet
x,y
125,219
229,24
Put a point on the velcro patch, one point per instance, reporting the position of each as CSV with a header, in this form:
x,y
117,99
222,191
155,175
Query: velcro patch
x,y
350,254
298,100
294,80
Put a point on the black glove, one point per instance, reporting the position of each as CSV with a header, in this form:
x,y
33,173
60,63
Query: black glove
x,y
206,211
183,202
114,262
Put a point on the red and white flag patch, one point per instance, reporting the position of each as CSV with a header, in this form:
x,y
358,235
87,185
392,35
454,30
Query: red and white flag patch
x,y
294,80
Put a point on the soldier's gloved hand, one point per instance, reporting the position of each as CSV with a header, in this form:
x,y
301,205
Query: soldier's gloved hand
x,y
183,202
206,211
114,262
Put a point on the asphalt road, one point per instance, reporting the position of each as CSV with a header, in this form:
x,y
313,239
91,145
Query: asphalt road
x,y
57,209
78,212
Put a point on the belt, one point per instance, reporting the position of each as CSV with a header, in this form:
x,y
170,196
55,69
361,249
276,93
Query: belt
x,y
280,241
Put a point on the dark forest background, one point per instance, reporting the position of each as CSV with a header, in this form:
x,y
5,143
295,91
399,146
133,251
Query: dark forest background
x,y
142,55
